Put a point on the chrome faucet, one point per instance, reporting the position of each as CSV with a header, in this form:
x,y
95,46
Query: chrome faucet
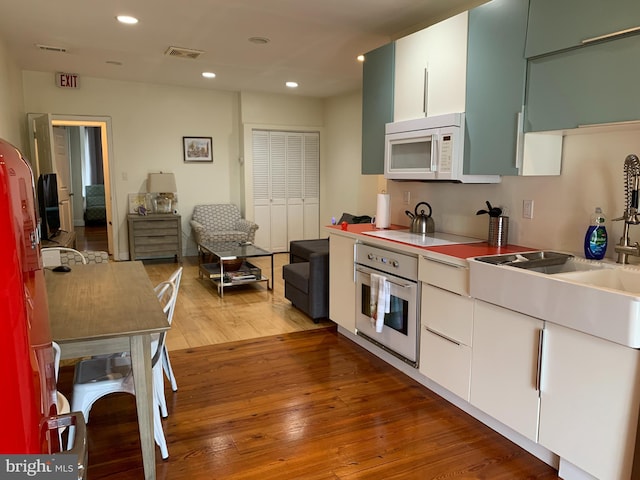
x,y
630,216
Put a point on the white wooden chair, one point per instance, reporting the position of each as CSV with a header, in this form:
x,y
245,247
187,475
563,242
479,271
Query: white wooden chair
x,y
53,256
56,256
166,363
97,377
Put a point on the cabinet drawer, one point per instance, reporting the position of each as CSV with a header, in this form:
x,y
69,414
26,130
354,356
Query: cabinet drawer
x,y
153,228
447,313
156,232
454,278
141,242
445,362
168,250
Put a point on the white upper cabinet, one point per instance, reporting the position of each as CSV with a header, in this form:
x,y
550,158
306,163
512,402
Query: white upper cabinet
x,y
430,70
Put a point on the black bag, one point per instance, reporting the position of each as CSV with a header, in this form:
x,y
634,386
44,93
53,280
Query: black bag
x,y
347,217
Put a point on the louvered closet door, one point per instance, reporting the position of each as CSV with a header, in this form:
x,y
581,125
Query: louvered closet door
x,y
278,177
286,175
295,207
311,183
261,188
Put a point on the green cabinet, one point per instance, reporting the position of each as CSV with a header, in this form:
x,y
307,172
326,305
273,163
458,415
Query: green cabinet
x,y
590,85
559,24
377,105
496,70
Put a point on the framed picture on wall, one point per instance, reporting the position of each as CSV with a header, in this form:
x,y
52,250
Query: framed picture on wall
x,y
197,149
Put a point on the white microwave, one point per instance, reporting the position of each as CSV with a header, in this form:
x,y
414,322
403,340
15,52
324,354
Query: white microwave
x,y
429,148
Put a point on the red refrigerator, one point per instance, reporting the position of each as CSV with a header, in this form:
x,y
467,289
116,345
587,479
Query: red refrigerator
x,y
31,422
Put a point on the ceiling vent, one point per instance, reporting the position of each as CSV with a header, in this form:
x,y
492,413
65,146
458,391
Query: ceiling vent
x,y
183,52
51,48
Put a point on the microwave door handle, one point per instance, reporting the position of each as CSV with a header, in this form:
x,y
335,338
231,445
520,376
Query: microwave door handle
x,y
435,153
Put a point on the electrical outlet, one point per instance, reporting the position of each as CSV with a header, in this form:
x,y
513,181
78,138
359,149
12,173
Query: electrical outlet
x,y
527,209
406,198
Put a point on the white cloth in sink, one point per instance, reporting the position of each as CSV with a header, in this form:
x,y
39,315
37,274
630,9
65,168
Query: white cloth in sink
x,y
380,300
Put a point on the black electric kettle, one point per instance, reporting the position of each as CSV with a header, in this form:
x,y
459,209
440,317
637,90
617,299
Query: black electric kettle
x,y
421,223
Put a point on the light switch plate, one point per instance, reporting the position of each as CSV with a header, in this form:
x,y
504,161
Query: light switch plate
x,y
527,209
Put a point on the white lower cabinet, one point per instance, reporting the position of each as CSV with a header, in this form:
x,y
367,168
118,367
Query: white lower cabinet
x,y
342,285
446,362
446,316
590,395
504,367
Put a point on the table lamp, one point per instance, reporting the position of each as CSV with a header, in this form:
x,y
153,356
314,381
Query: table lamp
x,y
164,186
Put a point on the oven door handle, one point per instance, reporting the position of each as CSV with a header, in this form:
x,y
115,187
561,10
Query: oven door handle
x,y
367,271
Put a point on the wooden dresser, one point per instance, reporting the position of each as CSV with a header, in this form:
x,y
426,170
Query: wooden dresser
x,y
155,236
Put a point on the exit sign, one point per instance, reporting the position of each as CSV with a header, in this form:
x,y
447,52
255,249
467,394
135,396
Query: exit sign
x,y
67,80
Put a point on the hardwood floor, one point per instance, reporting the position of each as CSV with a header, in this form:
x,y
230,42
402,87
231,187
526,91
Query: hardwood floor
x,y
91,237
203,318
304,405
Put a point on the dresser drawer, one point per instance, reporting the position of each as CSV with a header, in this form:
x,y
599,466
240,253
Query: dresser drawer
x,y
155,236
151,226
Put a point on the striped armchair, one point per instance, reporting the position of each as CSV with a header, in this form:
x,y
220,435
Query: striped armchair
x,y
217,223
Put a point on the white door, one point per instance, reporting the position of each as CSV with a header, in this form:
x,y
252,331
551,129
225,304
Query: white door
x,y
311,183
62,165
295,187
40,129
269,190
286,175
43,148
52,160
277,177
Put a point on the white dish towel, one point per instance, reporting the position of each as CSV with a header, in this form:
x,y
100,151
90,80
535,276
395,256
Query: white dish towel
x,y
380,300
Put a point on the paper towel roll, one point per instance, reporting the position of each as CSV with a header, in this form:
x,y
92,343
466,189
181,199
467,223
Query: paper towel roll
x,y
383,211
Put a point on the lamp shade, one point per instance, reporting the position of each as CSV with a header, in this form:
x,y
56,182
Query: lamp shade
x,y
162,183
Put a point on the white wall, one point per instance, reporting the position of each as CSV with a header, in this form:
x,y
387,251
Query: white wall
x,y
12,126
343,188
148,123
592,175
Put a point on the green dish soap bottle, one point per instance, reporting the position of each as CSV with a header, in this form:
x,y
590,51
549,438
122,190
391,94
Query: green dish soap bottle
x,y
595,240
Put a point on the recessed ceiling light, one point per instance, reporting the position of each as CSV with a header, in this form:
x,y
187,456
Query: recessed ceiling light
x,y
129,20
292,84
259,40
208,75
360,58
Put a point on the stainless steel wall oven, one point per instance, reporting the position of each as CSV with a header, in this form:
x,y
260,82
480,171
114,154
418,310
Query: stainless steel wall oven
x,y
399,335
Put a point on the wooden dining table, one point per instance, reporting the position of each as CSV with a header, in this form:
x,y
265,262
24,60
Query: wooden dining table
x,y
98,309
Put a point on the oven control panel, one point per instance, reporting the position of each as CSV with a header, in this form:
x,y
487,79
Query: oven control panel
x,y
401,264
387,260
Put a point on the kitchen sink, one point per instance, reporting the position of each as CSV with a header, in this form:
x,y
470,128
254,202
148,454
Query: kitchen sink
x,y
544,261
598,298
528,259
620,279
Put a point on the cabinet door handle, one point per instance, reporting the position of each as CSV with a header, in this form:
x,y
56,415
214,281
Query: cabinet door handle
x,y
539,366
354,262
619,33
609,124
443,262
425,92
444,337
520,140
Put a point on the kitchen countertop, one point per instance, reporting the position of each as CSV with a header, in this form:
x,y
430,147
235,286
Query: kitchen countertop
x,y
460,251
